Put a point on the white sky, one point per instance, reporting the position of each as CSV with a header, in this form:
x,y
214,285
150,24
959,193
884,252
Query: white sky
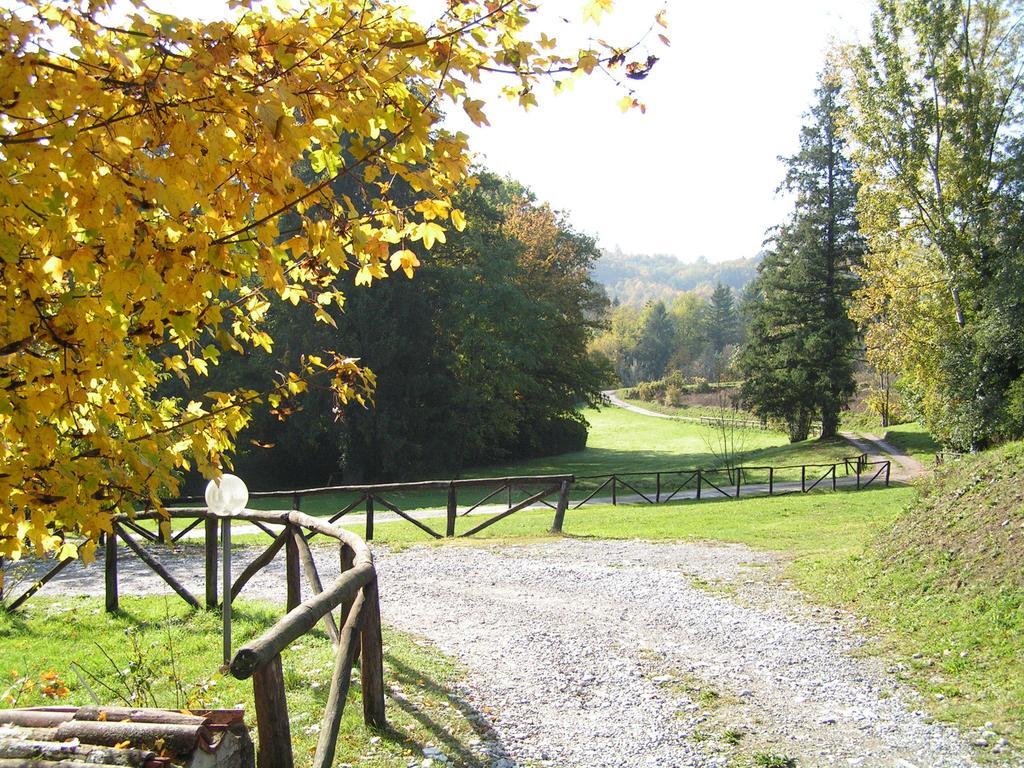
x,y
696,175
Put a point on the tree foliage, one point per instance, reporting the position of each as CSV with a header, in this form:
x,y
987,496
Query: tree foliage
x,y
149,169
694,336
481,358
799,359
936,98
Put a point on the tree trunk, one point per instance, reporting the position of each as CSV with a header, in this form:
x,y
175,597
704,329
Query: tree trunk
x,y
829,421
799,426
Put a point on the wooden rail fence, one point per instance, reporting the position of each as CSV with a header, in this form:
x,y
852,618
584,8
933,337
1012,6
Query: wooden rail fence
x,y
727,482
355,631
371,498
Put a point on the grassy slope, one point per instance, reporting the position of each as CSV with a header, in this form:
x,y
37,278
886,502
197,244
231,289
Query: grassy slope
x,y
50,634
945,583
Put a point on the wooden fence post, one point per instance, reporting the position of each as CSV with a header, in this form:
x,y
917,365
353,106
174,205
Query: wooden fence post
x,y
275,740
698,483
563,503
803,479
348,643
210,526
888,468
833,477
292,568
614,496
510,495
858,474
370,517
771,480
347,560
110,571
452,510
371,666
657,487
739,474
225,590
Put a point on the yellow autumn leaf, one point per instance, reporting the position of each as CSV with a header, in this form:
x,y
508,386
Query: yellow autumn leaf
x,y
429,232
406,261
474,108
458,219
594,9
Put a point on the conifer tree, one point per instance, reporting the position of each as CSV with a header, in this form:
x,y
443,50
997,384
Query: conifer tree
x,y
799,358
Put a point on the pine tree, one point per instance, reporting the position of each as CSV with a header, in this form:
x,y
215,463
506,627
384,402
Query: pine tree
x,y
722,320
799,358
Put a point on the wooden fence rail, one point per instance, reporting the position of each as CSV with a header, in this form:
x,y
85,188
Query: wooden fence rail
x,y
728,482
371,498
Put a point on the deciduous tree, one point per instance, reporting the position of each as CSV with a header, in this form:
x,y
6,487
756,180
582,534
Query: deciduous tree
x,y
148,167
936,98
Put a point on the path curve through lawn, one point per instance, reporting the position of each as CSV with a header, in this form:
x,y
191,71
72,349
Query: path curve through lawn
x,y
630,653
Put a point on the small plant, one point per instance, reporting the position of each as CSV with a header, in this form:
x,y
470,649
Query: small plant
x,y
48,684
732,736
133,681
773,760
708,697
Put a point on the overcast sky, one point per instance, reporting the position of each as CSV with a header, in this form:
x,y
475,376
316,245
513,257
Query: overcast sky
x,y
696,175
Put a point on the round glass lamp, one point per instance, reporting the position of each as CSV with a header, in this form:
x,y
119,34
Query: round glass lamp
x,y
227,495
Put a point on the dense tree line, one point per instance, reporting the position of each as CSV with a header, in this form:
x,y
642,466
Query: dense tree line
x,y
693,335
639,278
482,357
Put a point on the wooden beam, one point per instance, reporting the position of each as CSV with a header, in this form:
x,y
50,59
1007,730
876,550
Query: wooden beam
x,y
299,621
422,526
210,530
17,603
258,563
313,577
563,503
275,740
330,725
452,511
372,662
511,510
156,567
293,576
110,572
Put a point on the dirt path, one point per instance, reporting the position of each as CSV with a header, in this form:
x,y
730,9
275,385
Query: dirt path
x,y
595,653
618,402
904,466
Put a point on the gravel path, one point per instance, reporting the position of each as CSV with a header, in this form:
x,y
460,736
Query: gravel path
x,y
599,653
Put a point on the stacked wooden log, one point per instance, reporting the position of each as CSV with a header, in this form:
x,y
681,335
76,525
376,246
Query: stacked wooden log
x,y
100,737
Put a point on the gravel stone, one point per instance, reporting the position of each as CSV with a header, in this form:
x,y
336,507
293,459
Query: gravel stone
x,y
596,653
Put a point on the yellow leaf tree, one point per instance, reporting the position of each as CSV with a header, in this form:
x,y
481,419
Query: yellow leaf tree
x,y
151,214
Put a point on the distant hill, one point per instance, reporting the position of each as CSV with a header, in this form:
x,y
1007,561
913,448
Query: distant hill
x,y
638,278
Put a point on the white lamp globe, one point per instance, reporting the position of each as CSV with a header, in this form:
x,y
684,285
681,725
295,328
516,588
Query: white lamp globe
x,y
227,495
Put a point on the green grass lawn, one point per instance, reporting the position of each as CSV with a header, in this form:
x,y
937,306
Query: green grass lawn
x,y
619,442
794,523
158,652
625,443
